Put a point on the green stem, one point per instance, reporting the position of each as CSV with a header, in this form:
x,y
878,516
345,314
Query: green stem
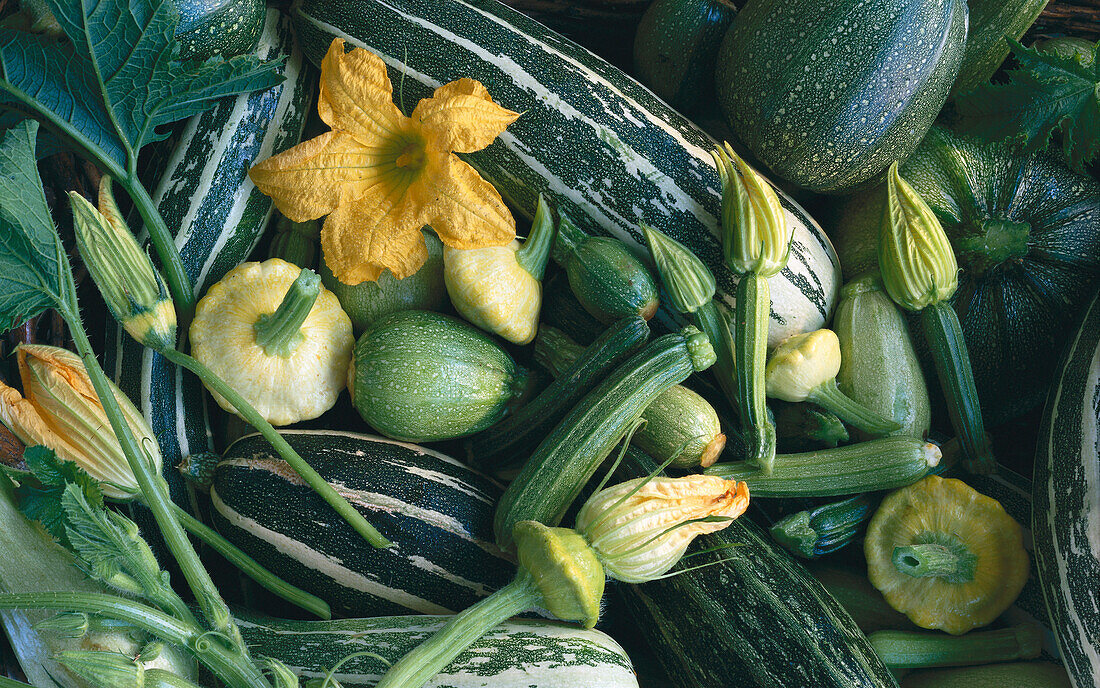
x,y
829,397
714,325
154,492
280,333
179,283
12,683
945,339
303,469
464,629
916,650
536,249
159,678
752,312
955,564
251,568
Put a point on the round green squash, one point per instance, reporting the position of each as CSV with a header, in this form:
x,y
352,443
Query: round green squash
x,y
1025,232
828,93
421,376
223,28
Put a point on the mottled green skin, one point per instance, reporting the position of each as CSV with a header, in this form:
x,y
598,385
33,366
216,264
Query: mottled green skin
x,y
828,93
609,281
223,28
986,47
423,376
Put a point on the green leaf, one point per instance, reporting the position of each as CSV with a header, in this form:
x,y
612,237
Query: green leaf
x,y
34,268
116,79
39,494
1049,92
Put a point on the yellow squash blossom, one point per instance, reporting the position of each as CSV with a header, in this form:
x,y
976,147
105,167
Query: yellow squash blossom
x,y
381,176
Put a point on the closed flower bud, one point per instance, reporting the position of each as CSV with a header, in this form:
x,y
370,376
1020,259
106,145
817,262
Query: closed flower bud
x,y
755,234
565,569
689,283
914,255
65,625
639,529
104,669
801,363
131,286
59,409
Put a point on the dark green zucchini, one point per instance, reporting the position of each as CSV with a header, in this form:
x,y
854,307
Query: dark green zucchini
x,y
805,427
986,48
813,533
222,28
562,310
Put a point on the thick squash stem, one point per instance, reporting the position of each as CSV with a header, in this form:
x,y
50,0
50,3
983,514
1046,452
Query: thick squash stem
x,y
297,463
464,629
751,314
711,321
536,248
829,397
952,562
917,650
280,333
945,340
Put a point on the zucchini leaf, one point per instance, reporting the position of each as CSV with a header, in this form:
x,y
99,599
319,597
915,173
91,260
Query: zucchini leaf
x,y
40,493
116,79
1048,92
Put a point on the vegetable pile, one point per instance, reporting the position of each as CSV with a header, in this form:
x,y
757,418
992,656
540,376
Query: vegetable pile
x,y
441,352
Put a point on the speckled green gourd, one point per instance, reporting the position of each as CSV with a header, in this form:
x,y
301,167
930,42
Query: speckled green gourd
x,y
986,48
423,376
224,28
827,93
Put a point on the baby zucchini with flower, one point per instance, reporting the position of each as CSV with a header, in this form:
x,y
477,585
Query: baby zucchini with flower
x,y
804,368
634,531
499,288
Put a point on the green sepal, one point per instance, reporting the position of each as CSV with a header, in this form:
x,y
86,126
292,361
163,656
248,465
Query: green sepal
x,y
689,282
565,570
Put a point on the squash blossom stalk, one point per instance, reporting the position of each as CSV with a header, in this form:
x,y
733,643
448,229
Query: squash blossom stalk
x,y
635,531
757,243
920,274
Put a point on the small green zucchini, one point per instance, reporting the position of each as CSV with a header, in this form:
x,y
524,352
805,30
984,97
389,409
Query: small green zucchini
x,y
609,281
879,367
881,464
680,425
920,649
560,467
423,376
295,242
813,533
511,440
851,588
1011,675
804,427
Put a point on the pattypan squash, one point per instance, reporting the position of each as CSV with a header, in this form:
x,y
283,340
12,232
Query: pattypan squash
x,y
277,336
945,555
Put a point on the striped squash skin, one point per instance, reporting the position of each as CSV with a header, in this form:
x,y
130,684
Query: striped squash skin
x,y
601,147
437,512
520,653
218,216
1066,503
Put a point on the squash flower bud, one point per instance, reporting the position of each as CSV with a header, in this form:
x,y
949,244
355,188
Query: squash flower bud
x,y
106,669
689,282
916,259
755,234
59,409
131,286
801,363
640,528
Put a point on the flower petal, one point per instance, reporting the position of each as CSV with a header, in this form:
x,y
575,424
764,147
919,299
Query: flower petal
x,y
381,230
356,94
463,209
314,177
462,117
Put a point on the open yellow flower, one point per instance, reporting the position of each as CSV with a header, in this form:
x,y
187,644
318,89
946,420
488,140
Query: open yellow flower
x,y
381,176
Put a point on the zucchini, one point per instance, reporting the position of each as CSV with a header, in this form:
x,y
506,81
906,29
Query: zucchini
x,y
680,425
420,376
752,617
813,533
986,48
608,280
562,310
881,464
437,512
219,215
803,427
559,468
828,93
295,242
223,28
520,653
878,364
862,600
918,649
1013,675
512,440
1066,502
601,148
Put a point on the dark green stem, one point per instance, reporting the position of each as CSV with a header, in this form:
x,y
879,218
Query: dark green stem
x,y
303,469
948,347
714,325
536,249
752,312
251,568
464,629
280,333
829,397
955,564
917,650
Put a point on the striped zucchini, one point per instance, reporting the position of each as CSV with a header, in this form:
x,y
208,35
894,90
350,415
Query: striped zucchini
x,y
518,654
204,194
603,150
1066,503
437,512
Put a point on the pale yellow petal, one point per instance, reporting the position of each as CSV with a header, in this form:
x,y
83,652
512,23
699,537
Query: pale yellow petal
x,y
462,117
356,94
381,230
463,209
314,177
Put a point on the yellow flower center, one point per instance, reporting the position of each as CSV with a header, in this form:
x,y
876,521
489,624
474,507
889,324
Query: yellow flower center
x,y
412,156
